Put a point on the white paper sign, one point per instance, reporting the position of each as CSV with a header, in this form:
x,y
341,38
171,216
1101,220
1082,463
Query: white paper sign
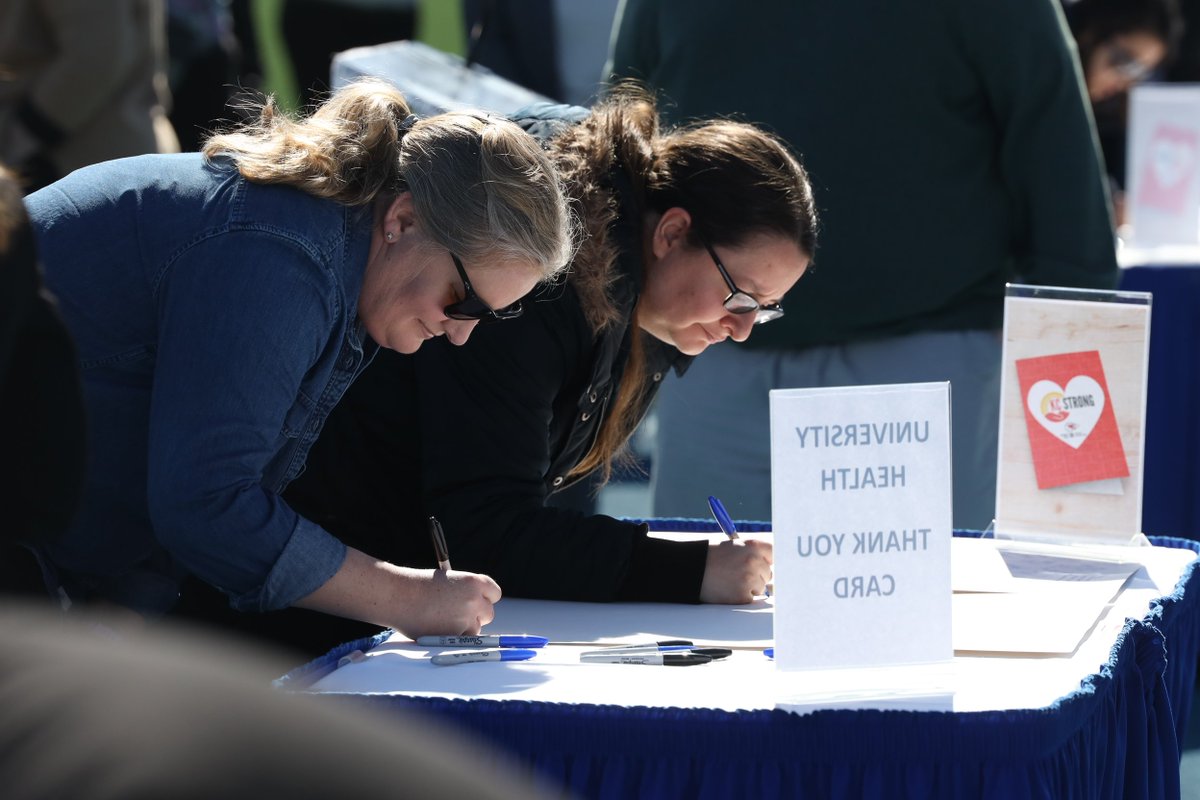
x,y
1163,173
861,512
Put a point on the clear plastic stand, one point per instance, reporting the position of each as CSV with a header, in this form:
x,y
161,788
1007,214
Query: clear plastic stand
x,y
1072,416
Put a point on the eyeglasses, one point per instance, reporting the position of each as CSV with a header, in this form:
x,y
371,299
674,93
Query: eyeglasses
x,y
739,302
473,307
1127,64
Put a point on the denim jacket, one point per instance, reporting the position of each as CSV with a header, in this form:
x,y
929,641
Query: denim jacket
x,y
216,326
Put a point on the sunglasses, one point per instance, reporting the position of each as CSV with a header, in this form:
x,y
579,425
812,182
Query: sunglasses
x,y
473,307
739,302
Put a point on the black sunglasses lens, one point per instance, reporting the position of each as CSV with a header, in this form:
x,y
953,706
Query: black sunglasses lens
x,y
474,309
467,309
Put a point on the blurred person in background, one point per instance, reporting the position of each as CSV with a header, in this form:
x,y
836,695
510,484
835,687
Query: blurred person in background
x,y
81,82
1121,44
209,66
316,30
41,403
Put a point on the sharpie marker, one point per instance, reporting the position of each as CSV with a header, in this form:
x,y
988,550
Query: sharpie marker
x,y
440,551
656,659
470,656
715,653
483,641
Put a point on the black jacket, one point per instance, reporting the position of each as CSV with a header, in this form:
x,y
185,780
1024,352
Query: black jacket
x,y
480,435
41,401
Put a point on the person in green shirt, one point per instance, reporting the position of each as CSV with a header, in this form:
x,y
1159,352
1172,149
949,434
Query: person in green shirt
x,y
951,150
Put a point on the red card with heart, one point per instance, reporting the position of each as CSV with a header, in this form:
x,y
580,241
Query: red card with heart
x,y
1072,428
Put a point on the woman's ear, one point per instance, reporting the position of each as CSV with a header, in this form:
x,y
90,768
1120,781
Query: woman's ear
x,y
399,216
670,231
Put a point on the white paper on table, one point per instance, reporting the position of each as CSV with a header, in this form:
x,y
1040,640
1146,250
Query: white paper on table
x,y
1018,623
745,681
1057,594
977,566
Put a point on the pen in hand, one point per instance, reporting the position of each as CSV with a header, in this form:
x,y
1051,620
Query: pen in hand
x,y
726,524
722,517
439,544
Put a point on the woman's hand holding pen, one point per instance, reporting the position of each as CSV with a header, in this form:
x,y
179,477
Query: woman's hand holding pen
x,y
449,602
736,572
416,602
452,603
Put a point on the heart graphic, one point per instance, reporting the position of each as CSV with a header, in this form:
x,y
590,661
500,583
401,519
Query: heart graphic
x,y
1172,160
1069,414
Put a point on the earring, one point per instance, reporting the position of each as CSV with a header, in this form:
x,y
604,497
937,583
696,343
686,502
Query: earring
x,y
391,237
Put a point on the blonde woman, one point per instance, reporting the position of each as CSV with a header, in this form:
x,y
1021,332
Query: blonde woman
x,y
222,302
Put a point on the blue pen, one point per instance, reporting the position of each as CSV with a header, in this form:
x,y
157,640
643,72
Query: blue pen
x,y
769,653
722,517
726,522
483,641
470,656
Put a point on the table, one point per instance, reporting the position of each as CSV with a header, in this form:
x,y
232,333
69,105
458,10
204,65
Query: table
x,y
678,733
1171,500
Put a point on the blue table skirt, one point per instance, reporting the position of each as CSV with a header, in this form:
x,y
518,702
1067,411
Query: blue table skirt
x,y
1117,736
1170,500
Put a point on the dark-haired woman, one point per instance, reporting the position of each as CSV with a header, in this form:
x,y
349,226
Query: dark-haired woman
x,y
1121,43
694,236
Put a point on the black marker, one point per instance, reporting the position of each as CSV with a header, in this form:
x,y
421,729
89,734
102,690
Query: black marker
x,y
656,659
439,544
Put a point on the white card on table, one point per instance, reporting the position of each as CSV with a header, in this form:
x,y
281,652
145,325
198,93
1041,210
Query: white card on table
x,y
861,512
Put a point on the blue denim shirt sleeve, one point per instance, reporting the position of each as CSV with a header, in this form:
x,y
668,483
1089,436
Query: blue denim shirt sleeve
x,y
243,317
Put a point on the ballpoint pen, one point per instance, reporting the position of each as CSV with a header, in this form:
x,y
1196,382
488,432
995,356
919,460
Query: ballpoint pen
x,y
439,544
726,524
722,517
